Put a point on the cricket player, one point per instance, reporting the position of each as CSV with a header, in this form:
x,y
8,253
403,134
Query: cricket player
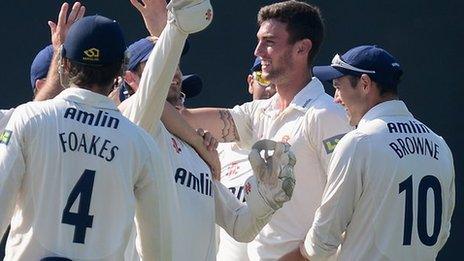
x,y
300,113
75,171
235,167
39,69
203,201
390,185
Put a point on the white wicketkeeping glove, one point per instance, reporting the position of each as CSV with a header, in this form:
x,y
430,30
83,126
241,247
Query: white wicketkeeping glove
x,y
191,16
273,180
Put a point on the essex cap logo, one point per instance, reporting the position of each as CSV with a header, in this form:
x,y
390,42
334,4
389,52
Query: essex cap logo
x,y
372,60
95,41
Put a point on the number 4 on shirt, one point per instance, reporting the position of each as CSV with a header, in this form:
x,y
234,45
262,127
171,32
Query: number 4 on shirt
x,y
80,220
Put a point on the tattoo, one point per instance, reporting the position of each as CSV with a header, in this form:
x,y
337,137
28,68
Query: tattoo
x,y
229,131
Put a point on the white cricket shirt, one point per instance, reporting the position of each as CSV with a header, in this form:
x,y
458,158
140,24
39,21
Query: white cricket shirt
x,y
235,170
73,171
390,187
312,124
201,201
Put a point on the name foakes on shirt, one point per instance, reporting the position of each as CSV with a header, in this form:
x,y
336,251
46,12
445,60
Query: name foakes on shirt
x,y
413,144
87,143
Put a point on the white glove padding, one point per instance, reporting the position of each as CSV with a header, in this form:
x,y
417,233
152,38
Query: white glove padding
x,y
274,174
191,16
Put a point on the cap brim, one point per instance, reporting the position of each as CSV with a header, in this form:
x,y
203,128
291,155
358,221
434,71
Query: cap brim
x,y
327,73
191,85
145,57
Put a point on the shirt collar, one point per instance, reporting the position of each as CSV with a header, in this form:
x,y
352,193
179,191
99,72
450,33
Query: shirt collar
x,y
387,108
80,95
309,93
302,99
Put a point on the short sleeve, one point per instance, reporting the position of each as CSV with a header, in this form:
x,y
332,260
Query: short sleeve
x,y
326,127
243,119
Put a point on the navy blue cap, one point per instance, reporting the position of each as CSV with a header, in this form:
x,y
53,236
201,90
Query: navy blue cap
x,y
95,41
40,65
372,60
192,85
141,49
256,65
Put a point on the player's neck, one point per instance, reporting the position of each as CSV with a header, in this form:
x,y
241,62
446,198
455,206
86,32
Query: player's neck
x,y
98,89
289,88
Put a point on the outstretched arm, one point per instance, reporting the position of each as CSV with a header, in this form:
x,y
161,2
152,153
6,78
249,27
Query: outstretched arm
x,y
58,30
173,121
216,120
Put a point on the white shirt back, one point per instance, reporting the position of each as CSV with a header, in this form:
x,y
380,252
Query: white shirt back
x,y
390,187
79,169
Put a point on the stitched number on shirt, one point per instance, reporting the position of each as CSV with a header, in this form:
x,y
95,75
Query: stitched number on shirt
x,y
80,220
426,183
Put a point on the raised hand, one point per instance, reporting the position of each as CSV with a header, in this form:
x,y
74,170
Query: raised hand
x,y
58,32
60,29
154,14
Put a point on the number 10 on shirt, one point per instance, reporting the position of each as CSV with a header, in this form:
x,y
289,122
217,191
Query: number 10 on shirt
x,y
426,183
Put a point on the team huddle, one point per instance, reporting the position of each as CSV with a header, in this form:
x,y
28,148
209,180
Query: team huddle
x,y
108,164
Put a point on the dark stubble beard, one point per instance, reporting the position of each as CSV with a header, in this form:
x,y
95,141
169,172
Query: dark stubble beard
x,y
286,64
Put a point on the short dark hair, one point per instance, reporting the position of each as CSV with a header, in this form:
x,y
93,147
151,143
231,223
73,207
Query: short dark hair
x,y
303,21
354,79
85,75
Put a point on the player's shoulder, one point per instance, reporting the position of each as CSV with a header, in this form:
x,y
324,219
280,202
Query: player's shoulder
x,y
136,132
325,112
352,141
32,109
255,105
324,105
6,112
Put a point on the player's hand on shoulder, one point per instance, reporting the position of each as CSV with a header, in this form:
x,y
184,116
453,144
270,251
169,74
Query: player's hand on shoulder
x,y
206,148
208,140
274,173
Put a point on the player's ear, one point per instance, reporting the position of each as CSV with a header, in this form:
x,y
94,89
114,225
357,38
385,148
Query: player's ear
x,y
39,83
366,82
250,83
304,46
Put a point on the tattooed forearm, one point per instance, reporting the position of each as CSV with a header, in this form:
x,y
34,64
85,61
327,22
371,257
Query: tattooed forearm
x,y
229,131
